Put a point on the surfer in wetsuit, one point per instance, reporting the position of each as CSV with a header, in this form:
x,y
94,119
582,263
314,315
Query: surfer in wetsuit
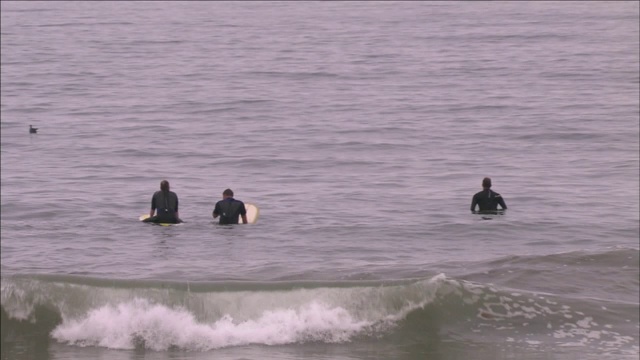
x,y
166,202
487,199
229,209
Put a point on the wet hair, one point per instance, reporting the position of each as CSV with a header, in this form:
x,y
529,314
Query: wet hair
x,y
228,192
486,183
164,185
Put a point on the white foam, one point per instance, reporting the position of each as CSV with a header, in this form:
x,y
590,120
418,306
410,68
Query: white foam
x,y
585,323
158,327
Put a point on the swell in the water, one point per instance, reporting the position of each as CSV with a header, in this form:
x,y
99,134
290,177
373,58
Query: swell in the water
x,y
204,316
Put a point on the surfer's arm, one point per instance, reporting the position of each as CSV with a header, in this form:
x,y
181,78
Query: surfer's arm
x,y
153,206
243,213
501,202
474,202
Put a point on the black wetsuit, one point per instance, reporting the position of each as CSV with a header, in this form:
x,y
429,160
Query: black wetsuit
x,y
487,200
229,211
166,205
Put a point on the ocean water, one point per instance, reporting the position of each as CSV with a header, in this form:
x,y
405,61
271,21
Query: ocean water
x,y
361,130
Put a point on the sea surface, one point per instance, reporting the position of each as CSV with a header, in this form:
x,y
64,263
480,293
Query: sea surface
x,y
361,130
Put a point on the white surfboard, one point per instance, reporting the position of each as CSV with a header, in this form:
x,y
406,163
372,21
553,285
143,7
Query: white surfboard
x,y
252,214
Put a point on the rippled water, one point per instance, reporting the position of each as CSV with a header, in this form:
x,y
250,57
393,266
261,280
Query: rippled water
x,y
361,130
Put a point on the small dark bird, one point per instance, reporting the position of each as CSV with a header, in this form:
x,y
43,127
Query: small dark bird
x,y
33,130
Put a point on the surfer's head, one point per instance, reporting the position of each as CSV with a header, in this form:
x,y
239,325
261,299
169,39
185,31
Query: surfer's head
x,y
164,185
486,183
228,193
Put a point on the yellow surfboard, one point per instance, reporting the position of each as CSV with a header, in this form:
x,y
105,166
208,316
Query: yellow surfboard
x,y
146,216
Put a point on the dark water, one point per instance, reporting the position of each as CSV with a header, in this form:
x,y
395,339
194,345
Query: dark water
x,y
361,130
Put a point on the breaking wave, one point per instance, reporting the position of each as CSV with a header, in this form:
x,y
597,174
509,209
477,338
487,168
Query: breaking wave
x,y
161,315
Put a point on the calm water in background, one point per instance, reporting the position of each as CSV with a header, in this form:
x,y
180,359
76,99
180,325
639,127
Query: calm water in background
x,y
361,130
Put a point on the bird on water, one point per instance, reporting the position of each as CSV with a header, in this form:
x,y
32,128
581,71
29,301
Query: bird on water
x,y
33,130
